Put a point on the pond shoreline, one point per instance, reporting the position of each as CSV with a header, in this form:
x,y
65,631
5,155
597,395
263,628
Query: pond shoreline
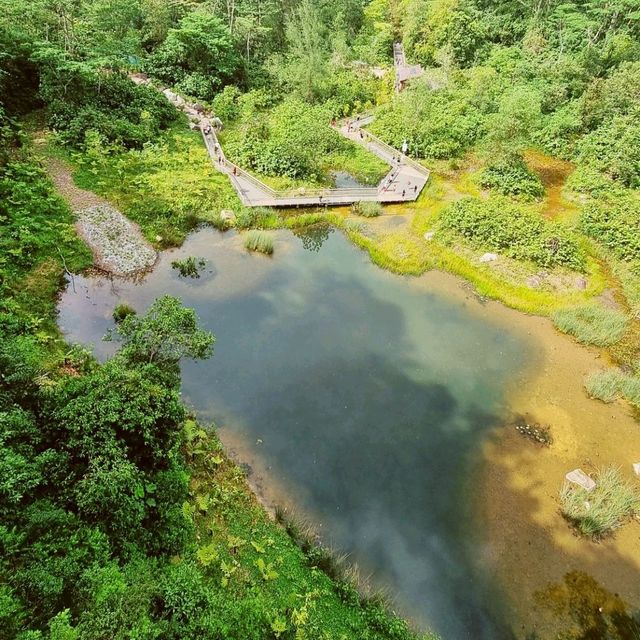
x,y
498,482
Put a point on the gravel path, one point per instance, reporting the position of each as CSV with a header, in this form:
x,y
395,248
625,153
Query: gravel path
x,y
117,243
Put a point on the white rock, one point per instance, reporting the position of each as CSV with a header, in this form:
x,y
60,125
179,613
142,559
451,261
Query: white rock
x,y
636,468
228,215
429,235
488,257
579,477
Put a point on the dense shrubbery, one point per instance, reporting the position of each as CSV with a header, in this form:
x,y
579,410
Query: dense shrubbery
x,y
436,124
500,225
290,140
510,176
82,101
198,56
615,222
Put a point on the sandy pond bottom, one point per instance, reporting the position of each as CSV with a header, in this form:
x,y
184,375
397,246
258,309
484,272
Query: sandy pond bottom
x,y
381,407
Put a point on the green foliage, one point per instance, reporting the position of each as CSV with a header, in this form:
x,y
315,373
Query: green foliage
x,y
437,124
198,56
109,105
510,176
592,324
599,512
366,209
164,335
189,267
259,241
290,140
500,225
615,222
121,311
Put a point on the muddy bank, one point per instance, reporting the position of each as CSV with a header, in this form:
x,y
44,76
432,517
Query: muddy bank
x,y
528,545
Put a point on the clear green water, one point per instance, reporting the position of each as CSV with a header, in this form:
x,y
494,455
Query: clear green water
x,y
369,397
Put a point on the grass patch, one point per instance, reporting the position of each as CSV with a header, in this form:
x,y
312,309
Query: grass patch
x,y
598,513
591,324
366,209
168,188
259,241
610,384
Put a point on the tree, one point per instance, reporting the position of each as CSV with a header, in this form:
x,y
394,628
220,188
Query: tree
x,y
167,333
198,56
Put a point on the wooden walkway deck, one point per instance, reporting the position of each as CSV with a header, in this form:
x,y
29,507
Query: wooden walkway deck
x,y
403,183
404,71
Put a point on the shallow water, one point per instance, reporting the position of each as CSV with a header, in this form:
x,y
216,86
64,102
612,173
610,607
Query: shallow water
x,y
343,179
367,395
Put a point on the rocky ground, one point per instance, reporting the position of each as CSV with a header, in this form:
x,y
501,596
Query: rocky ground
x,y
117,243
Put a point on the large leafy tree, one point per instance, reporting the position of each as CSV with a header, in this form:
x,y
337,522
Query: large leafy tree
x,y
198,56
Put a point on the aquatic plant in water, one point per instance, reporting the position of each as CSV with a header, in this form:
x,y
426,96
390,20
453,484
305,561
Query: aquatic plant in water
x,y
259,241
599,512
189,267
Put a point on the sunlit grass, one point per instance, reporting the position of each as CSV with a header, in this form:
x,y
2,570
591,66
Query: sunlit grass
x,y
259,241
610,384
592,324
599,512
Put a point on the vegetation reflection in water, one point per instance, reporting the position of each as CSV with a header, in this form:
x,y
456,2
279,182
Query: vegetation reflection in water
x,y
367,395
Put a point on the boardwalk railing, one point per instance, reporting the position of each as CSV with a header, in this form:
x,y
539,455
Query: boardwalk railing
x,y
215,151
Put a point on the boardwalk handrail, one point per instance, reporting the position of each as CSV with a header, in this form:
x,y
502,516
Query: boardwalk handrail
x,y
283,194
404,158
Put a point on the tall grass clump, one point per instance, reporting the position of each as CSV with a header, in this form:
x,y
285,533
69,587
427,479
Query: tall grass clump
x,y
366,209
259,241
598,513
591,324
610,384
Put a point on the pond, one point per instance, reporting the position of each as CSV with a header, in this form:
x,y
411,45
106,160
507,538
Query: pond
x,y
344,180
366,395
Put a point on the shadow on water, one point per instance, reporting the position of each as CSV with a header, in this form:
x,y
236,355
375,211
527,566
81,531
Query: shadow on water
x,y
369,397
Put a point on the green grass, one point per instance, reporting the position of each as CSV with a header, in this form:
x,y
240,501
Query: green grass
x,y
366,209
598,513
259,241
591,324
610,384
168,188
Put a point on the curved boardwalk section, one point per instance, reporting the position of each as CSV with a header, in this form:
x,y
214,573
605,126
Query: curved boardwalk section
x,y
403,183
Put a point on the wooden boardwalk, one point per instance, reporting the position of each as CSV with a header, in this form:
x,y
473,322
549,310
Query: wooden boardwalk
x,y
403,183
404,71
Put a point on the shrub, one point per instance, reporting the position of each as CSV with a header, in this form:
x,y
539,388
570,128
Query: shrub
x,y
259,241
610,384
122,310
591,324
501,225
510,176
291,140
599,512
109,104
615,222
366,209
